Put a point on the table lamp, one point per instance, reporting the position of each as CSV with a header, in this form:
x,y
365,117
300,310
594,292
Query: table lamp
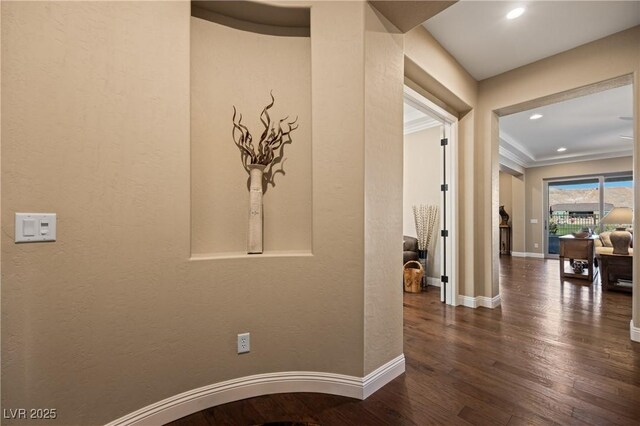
x,y
620,238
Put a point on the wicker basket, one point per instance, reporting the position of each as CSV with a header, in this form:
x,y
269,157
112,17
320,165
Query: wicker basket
x,y
413,276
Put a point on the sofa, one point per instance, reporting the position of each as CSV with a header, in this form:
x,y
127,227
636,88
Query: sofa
x,y
409,249
615,269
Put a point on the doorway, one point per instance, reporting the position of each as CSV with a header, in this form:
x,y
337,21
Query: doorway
x,y
430,179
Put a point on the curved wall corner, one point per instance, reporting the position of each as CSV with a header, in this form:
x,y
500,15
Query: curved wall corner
x,y
190,402
238,63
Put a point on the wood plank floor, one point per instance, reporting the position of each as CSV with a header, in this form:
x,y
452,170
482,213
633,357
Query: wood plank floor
x,y
552,354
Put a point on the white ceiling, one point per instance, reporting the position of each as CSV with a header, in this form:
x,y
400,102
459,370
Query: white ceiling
x,y
589,127
486,43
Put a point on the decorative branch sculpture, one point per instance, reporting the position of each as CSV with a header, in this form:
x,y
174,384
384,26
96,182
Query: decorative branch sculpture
x,y
270,150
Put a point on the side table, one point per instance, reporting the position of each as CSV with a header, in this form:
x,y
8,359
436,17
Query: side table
x,y
572,248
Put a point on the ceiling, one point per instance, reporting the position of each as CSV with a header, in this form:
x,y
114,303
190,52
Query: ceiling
x,y
486,43
589,127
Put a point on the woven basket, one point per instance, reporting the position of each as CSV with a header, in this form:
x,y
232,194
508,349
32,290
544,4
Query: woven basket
x,y
413,276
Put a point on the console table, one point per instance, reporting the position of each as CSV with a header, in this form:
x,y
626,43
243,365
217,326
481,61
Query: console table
x,y
572,248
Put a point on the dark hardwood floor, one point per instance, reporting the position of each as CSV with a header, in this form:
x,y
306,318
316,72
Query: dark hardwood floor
x,y
552,354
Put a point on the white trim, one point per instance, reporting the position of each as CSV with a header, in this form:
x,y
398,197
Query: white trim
x,y
489,302
479,301
527,254
634,332
526,155
575,158
536,255
504,152
434,282
418,124
509,167
509,148
467,301
195,400
419,102
381,376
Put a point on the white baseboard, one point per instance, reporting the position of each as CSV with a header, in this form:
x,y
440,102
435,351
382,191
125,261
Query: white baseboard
x,y
468,301
635,332
381,376
479,301
195,400
434,282
527,254
489,302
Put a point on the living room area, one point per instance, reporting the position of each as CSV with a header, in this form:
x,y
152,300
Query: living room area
x,y
566,193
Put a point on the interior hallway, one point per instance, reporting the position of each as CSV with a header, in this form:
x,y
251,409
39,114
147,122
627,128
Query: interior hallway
x,y
550,354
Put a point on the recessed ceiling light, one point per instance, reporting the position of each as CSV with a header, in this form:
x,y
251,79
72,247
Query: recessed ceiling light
x,y
626,137
562,149
515,13
535,116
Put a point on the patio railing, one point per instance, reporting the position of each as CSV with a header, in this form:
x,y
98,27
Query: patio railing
x,y
565,223
562,223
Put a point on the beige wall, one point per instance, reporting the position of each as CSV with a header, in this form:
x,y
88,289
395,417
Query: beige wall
x,y
534,190
421,184
114,315
437,75
383,190
601,60
505,193
245,72
518,219
513,200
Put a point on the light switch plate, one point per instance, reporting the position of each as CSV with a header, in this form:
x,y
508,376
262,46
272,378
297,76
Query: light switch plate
x,y
35,227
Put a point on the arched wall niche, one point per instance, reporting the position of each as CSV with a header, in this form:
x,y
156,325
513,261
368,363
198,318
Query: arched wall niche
x,y
239,54
254,16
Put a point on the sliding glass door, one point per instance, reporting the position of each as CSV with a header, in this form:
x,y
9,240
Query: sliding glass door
x,y
577,203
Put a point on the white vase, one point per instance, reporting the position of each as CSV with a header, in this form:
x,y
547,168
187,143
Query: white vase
x,y
255,208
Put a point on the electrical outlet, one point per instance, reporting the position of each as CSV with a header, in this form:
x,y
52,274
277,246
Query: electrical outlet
x,y
244,343
535,245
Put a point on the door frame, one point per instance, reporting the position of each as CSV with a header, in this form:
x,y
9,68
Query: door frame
x,y
449,258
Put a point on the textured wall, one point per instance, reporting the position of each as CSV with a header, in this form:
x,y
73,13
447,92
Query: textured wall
x,y
512,198
114,315
383,105
506,197
518,218
421,185
242,73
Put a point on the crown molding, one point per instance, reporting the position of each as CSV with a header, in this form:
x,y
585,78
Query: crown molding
x,y
516,147
512,152
418,124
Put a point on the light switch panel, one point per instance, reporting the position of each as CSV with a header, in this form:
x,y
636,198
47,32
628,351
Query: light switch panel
x,y
35,227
